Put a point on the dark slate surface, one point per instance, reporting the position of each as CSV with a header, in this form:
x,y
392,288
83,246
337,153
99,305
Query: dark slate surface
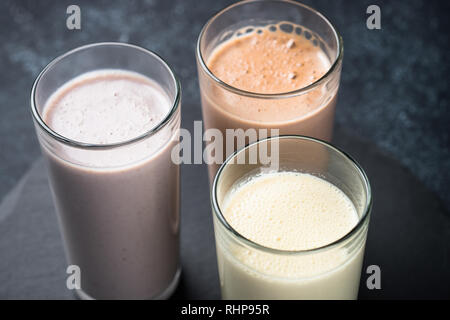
x,y
409,236
394,95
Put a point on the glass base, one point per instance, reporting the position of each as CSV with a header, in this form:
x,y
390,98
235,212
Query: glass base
x,y
80,294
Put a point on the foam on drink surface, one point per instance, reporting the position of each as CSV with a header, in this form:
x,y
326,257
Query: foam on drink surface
x,y
289,211
109,106
266,61
106,106
269,62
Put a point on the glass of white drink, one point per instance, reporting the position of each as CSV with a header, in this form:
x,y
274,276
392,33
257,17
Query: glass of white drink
x,y
294,232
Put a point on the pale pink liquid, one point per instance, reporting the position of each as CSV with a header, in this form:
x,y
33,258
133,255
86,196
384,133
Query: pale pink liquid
x,y
118,208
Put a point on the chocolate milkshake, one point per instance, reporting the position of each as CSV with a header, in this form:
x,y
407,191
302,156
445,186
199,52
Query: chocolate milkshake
x,y
114,185
279,75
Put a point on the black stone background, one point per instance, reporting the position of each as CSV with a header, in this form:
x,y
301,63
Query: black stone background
x,y
393,117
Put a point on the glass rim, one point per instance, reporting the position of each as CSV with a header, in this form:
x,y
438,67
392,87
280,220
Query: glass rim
x,y
281,95
82,145
361,221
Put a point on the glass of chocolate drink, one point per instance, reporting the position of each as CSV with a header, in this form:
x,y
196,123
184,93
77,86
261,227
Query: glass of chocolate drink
x,y
268,65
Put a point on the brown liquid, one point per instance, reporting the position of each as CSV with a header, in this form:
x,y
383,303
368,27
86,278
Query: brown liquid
x,y
269,62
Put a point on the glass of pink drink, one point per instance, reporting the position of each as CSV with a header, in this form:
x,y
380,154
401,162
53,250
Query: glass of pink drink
x,y
107,116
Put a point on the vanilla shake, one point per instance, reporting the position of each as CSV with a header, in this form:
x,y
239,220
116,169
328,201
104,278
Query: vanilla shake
x,y
114,185
288,211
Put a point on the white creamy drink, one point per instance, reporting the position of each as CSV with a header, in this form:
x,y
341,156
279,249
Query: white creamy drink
x,y
288,211
118,207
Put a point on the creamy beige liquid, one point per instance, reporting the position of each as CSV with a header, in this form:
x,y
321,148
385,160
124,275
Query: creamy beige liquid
x,y
289,211
269,62
118,208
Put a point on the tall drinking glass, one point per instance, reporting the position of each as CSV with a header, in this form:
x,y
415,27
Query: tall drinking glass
x,y
268,101
117,203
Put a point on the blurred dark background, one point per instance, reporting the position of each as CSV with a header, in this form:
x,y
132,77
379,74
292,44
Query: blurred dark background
x,y
393,102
